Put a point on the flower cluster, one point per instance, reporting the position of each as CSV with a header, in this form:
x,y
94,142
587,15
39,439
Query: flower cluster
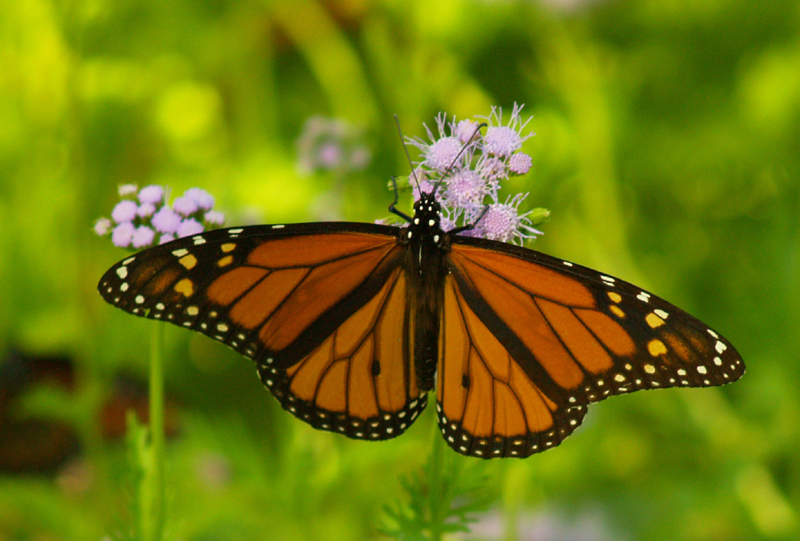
x,y
468,166
143,218
328,144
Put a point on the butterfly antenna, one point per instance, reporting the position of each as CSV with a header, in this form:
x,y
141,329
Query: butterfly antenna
x,y
408,156
460,152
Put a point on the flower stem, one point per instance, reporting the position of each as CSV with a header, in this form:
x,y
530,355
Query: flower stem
x,y
156,522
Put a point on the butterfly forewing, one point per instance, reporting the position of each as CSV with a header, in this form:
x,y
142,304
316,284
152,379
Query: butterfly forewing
x,y
322,310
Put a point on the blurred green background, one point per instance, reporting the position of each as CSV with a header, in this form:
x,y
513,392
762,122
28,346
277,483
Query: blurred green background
x,y
667,149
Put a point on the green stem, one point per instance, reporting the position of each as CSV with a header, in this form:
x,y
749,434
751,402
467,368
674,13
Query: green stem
x,y
156,520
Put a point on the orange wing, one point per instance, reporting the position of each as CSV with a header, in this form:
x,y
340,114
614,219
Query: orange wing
x,y
321,308
544,338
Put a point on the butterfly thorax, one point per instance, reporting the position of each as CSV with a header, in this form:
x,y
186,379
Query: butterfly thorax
x,y
426,241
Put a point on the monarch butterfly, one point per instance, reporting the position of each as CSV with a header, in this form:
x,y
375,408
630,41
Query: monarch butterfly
x,y
351,324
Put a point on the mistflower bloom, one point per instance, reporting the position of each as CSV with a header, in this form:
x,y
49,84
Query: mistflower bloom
x,y
480,163
166,220
203,199
102,226
141,225
465,130
190,226
214,217
125,211
520,163
466,188
503,222
146,210
125,190
122,235
152,194
185,206
143,236
327,144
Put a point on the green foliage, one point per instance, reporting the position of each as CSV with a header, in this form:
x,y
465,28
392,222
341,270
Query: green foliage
x,y
667,150
442,497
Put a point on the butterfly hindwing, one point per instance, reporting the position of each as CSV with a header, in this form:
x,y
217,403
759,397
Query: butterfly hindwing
x,y
488,406
316,306
359,381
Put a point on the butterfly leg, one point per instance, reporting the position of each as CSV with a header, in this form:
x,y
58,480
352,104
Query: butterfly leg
x,y
467,227
393,207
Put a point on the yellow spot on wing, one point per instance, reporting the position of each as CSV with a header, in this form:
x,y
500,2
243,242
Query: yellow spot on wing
x,y
185,287
228,247
225,261
656,348
616,297
653,320
617,310
188,261
650,369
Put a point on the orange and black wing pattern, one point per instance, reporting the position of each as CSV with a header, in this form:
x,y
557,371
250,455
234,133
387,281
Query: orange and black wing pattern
x,y
322,309
529,341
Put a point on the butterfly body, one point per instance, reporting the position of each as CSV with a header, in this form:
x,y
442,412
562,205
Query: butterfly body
x,y
426,244
351,325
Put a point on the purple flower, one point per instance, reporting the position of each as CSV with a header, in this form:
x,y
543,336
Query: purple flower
x,y
123,234
465,129
146,210
491,168
520,163
138,225
189,226
102,227
185,205
125,190
330,156
501,141
480,163
203,199
442,153
143,236
331,145
214,217
166,220
503,222
466,188
152,194
125,211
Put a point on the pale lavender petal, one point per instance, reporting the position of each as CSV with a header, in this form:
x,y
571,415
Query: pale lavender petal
x,y
126,190
442,153
185,205
146,210
152,194
102,226
214,217
190,226
166,220
123,234
165,238
143,236
501,141
520,163
203,199
125,211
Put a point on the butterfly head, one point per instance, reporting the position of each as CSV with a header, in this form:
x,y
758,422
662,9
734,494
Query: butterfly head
x,y
426,222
